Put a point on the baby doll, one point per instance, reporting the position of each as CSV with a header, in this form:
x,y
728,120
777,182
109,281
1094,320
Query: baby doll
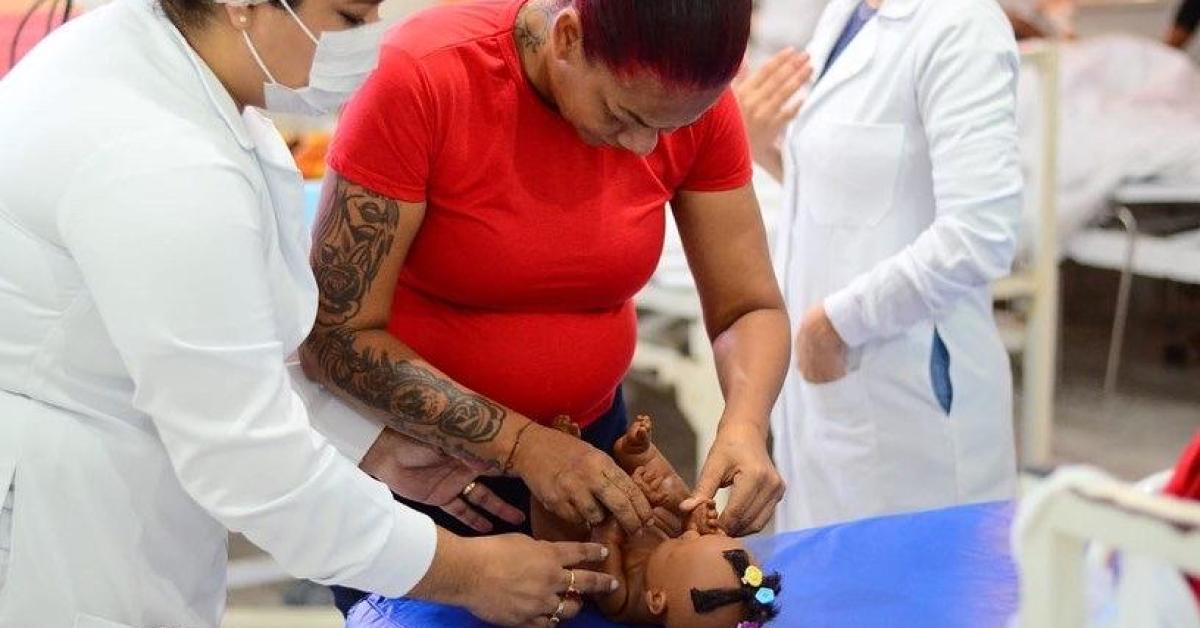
x,y
682,571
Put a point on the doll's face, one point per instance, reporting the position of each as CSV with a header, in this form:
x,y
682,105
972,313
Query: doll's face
x,y
691,562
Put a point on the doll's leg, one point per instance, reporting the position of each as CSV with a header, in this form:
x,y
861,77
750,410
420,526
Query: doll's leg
x,y
705,519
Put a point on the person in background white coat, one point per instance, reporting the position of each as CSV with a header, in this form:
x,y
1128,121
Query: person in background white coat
x,y
903,194
154,276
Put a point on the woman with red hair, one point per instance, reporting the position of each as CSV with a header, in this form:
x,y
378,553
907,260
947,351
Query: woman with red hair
x,y
497,199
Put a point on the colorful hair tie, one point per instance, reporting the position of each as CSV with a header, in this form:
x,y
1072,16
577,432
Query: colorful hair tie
x,y
749,624
765,596
753,576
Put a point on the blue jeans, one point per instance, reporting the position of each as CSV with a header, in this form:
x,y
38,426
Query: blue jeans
x,y
939,373
602,434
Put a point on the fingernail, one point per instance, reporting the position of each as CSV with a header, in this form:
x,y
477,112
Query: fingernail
x,y
603,552
614,586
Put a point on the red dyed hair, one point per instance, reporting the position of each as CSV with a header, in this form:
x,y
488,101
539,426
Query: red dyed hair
x,y
684,43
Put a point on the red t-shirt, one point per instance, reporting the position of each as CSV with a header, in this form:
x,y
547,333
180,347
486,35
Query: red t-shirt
x,y
519,282
1185,483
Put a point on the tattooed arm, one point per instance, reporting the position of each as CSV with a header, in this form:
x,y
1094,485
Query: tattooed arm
x,y
360,244
359,247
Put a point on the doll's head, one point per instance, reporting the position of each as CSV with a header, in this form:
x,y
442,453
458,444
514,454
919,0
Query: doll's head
x,y
708,581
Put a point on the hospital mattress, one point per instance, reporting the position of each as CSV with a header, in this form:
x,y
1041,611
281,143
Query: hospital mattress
x,y
1174,258
942,569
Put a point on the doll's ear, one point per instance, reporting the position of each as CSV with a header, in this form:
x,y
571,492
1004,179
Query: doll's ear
x,y
656,601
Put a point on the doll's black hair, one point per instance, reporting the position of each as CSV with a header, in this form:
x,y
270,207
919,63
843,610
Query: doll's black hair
x,y
709,600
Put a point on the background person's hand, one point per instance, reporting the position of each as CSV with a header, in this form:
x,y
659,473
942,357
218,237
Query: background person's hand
x,y
426,474
820,351
766,99
578,482
739,460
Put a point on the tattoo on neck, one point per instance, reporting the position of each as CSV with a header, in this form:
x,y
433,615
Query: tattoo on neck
x,y
533,25
352,240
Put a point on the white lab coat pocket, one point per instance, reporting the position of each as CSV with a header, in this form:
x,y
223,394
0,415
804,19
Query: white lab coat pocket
x,y
90,621
841,399
839,425
849,172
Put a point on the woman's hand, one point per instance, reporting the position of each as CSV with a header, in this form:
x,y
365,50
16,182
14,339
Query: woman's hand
x,y
425,474
739,460
765,98
820,351
576,481
513,580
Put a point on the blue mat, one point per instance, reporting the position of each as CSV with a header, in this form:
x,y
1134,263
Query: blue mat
x,y
943,569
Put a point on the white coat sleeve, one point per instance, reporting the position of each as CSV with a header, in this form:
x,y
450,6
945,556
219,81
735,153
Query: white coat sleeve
x,y
175,259
350,431
966,93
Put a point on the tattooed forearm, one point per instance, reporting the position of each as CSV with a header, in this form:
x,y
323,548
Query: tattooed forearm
x,y
413,397
354,237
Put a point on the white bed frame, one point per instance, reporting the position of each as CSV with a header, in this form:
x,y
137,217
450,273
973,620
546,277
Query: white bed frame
x,y
1134,253
1079,506
1035,282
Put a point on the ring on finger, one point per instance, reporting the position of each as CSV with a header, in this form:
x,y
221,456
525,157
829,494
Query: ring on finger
x,y
571,590
466,492
557,615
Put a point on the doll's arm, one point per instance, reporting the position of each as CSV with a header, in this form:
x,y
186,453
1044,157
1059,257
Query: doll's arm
x,y
661,485
611,536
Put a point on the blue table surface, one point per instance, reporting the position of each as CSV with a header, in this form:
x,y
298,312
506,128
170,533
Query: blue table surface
x,y
948,568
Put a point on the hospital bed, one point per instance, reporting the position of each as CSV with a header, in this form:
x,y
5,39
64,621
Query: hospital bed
x,y
1134,251
1128,129
1095,551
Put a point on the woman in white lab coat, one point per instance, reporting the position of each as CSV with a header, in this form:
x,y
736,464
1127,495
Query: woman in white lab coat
x,y
153,278
903,194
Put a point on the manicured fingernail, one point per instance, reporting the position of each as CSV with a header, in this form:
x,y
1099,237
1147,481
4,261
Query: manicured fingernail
x,y
603,552
614,586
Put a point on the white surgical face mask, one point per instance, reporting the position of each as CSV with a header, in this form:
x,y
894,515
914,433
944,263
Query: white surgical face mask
x,y
341,64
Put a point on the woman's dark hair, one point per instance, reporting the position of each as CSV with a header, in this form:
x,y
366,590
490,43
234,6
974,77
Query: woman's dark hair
x,y
192,14
685,43
188,14
709,600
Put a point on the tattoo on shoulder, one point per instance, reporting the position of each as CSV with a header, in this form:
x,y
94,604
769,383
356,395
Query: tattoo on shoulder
x,y
353,239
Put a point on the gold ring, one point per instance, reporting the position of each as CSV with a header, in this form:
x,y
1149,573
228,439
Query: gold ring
x,y
466,492
571,590
557,616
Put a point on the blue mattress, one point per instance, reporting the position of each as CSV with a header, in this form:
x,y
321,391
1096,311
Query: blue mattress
x,y
942,569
